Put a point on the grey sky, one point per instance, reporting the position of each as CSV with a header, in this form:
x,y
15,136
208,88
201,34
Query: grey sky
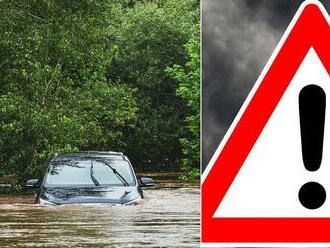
x,y
238,38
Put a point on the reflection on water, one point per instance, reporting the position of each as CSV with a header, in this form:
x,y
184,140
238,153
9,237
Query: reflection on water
x,y
168,217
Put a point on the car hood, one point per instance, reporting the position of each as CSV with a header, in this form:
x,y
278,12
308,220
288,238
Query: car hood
x,y
106,195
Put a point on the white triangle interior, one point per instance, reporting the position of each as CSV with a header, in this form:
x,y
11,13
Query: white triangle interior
x,y
268,183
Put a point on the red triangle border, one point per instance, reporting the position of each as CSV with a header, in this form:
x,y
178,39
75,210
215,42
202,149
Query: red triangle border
x,y
311,29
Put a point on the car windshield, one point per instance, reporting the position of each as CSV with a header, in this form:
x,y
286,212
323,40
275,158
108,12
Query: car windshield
x,y
84,171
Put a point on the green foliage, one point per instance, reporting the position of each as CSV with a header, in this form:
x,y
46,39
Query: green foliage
x,y
189,89
151,37
90,75
55,95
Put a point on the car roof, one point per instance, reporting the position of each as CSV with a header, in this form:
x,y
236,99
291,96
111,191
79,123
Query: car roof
x,y
103,154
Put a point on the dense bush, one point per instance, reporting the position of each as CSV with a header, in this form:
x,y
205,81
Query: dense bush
x,y
151,36
189,90
90,75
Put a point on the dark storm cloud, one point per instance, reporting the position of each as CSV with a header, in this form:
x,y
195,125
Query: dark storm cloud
x,y
238,39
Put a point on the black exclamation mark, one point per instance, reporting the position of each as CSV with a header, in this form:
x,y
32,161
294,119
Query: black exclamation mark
x,y
312,104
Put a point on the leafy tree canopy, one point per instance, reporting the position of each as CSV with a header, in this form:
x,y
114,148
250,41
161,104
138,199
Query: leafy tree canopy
x,y
189,90
90,74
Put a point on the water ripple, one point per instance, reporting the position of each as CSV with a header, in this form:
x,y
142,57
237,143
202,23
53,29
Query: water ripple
x,y
168,217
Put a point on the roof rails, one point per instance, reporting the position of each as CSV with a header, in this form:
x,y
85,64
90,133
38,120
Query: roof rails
x,y
105,152
93,152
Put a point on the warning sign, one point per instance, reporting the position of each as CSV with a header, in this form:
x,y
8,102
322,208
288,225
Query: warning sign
x,y
269,180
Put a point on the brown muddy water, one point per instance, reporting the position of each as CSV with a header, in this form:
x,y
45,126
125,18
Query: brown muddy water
x,y
167,217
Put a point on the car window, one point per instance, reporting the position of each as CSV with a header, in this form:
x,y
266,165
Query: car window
x,y
66,172
105,175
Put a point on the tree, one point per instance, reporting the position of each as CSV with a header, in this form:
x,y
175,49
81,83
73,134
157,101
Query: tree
x,y
189,91
90,74
150,37
54,94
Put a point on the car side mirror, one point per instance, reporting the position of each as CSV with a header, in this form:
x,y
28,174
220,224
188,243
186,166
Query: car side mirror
x,y
32,183
146,182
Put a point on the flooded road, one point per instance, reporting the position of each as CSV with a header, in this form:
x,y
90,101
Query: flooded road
x,y
167,217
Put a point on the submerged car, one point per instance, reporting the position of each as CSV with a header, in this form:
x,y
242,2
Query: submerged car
x,y
89,178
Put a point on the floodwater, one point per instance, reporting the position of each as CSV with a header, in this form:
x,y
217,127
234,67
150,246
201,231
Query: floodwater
x,y
167,217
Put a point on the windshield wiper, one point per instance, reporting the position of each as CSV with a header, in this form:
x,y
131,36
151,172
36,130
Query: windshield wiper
x,y
120,177
92,175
